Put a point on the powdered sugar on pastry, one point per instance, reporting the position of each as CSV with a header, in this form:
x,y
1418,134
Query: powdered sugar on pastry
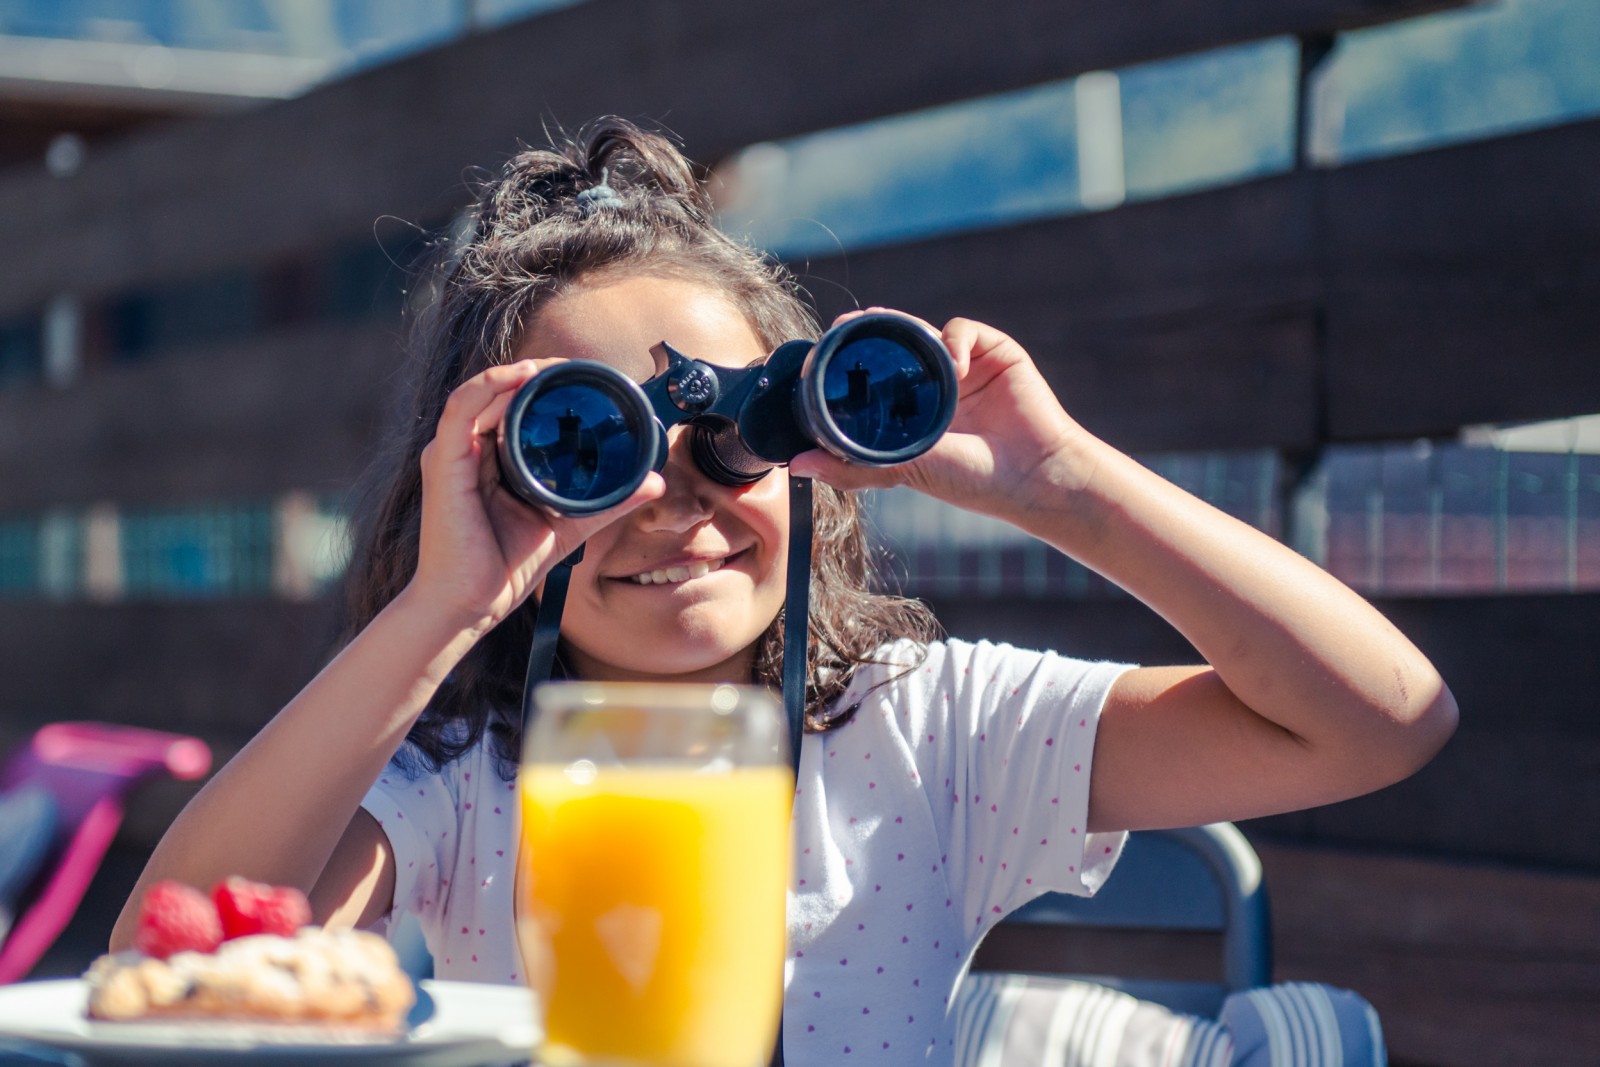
x,y
349,979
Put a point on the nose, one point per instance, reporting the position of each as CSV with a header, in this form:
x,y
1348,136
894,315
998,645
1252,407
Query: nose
x,y
690,496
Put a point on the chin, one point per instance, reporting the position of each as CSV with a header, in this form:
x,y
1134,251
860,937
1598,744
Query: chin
x,y
681,659
700,663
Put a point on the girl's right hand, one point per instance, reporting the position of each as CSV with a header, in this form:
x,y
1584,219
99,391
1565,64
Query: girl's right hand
x,y
482,549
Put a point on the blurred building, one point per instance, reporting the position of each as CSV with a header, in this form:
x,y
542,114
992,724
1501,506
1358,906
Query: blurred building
x,y
1329,264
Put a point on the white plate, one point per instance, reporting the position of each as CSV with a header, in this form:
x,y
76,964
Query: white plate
x,y
472,1025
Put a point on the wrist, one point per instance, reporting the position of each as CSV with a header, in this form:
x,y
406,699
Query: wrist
x,y
1059,495
436,621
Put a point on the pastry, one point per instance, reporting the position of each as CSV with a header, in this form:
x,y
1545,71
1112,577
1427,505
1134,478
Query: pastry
x,y
235,959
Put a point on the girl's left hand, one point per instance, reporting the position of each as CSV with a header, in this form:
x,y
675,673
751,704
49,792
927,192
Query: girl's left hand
x,y
1008,430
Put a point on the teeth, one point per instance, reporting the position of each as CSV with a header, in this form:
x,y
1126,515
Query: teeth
x,y
670,575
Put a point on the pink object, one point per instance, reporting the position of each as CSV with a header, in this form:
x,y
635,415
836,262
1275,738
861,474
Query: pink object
x,y
88,768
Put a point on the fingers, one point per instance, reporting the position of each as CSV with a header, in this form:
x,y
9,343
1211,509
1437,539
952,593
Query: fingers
x,y
830,469
487,422
461,461
555,536
970,338
965,338
476,393
476,405
575,531
471,416
848,315
971,342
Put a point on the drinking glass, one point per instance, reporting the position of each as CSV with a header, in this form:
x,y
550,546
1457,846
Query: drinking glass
x,y
653,871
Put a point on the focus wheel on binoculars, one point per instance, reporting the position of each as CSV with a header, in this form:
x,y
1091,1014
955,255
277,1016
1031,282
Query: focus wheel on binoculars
x,y
693,388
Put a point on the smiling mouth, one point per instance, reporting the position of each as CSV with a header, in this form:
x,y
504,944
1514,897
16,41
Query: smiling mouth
x,y
674,575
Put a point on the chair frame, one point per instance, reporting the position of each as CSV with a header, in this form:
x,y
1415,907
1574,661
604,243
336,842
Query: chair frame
x,y
1239,911
89,769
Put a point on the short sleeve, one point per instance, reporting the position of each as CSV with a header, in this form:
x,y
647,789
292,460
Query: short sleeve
x,y
1023,732
418,815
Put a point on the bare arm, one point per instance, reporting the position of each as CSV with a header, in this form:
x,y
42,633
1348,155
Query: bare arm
x,y
280,808
285,810
356,887
1309,695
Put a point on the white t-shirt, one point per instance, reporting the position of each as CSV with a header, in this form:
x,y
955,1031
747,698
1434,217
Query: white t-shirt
x,y
955,794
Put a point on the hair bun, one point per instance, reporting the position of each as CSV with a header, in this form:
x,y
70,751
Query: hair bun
x,y
639,157
610,161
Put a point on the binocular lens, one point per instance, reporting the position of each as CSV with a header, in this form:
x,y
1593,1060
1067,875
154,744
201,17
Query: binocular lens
x,y
883,395
581,437
582,447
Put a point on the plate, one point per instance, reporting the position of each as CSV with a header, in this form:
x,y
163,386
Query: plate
x,y
472,1025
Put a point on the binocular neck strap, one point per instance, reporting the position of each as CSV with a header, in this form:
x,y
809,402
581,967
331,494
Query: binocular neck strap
x,y
547,632
797,614
796,641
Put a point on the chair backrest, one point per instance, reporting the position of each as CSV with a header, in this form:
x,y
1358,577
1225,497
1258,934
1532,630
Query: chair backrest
x,y
88,770
1201,878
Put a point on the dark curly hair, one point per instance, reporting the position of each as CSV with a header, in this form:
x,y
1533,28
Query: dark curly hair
x,y
530,238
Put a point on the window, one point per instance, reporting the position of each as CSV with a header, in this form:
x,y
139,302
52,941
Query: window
x,y
1478,72
21,350
976,163
935,549
292,548
1459,518
1054,149
19,557
1500,512
200,552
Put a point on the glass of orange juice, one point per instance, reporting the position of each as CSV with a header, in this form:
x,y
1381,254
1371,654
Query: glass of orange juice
x,y
653,870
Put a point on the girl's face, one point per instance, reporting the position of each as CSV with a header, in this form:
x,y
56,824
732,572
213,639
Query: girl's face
x,y
684,586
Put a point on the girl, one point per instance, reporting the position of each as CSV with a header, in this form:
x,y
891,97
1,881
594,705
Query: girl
x,y
941,783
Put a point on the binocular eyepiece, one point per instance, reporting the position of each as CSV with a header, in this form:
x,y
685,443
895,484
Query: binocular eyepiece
x,y
581,436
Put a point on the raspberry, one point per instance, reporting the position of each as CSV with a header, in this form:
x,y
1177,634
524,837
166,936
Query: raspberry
x,y
176,918
247,907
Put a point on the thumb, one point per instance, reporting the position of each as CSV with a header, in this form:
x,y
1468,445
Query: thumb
x,y
830,469
816,464
572,532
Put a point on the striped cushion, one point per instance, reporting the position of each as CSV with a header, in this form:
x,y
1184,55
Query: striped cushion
x,y
1303,1023
1009,1020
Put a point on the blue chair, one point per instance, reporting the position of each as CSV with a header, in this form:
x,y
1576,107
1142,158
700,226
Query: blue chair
x,y
27,831
1202,878
405,936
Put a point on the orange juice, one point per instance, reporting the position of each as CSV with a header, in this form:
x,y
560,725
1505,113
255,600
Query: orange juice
x,y
651,911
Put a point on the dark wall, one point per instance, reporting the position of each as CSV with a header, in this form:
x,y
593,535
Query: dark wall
x,y
401,139
301,409
1520,781
216,669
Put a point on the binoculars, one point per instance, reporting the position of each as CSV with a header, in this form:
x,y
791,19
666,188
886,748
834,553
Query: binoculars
x,y
581,436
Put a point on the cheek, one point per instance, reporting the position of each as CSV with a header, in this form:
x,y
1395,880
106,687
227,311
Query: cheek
x,y
586,584
766,507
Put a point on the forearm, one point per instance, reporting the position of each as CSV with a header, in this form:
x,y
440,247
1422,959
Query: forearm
x,y
277,810
1291,642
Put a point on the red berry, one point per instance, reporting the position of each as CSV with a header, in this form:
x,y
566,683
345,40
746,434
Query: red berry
x,y
247,907
176,918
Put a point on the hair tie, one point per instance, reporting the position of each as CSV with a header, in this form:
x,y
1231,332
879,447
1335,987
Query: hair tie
x,y
599,196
